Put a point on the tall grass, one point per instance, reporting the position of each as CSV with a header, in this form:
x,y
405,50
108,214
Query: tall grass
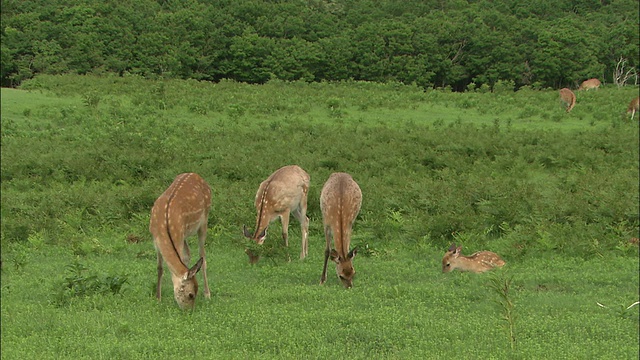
x,y
90,164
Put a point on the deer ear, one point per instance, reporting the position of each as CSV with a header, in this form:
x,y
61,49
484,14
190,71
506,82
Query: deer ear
x,y
262,236
334,255
194,270
452,247
352,253
246,232
456,252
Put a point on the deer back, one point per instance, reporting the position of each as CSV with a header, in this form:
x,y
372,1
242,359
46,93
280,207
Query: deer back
x,y
177,214
340,202
590,84
284,190
568,98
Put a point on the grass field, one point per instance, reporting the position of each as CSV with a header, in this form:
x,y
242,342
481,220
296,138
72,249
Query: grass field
x,y
83,159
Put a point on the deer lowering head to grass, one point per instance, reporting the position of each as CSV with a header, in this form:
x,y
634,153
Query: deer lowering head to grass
x,y
478,262
590,84
340,202
568,98
284,192
634,106
181,211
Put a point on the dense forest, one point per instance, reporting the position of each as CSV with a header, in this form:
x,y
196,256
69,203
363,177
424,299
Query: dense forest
x,y
459,44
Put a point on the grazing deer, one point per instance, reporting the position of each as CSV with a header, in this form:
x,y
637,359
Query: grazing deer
x,y
568,98
181,211
480,261
634,106
282,193
590,84
340,201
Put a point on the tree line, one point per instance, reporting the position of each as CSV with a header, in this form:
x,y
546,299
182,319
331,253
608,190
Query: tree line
x,y
461,44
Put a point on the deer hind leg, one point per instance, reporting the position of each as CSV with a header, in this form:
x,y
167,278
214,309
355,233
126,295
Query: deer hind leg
x,y
301,215
327,251
202,236
159,283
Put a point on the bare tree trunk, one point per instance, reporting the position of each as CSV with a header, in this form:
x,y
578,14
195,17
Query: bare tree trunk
x,y
621,76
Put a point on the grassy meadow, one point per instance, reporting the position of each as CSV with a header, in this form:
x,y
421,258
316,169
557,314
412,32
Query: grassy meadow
x,y
555,194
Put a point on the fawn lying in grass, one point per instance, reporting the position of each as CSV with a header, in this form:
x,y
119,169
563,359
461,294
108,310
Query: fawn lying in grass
x,y
478,262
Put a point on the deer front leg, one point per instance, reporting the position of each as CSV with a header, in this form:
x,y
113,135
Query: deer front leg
x,y
202,236
159,283
327,251
305,237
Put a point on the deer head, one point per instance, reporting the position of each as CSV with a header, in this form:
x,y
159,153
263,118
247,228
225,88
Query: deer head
x,y
185,287
344,267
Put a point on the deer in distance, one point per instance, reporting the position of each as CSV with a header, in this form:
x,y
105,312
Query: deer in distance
x,y
340,202
181,211
283,193
568,98
634,106
478,262
590,84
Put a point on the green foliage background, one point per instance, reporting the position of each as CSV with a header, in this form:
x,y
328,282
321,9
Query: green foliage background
x,y
436,164
429,43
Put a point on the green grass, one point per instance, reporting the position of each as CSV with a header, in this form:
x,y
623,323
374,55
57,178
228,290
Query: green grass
x,y
555,194
400,307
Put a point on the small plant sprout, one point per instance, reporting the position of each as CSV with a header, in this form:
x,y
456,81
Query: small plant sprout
x,y
500,283
620,310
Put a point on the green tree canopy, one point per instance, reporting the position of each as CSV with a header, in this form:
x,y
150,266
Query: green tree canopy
x,y
430,43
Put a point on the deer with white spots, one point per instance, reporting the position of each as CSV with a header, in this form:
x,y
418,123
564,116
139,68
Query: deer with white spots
x,y
478,262
568,98
340,202
283,193
181,211
590,84
634,106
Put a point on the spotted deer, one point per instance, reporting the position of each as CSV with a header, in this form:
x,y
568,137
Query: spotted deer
x,y
283,193
568,98
590,84
634,106
181,211
478,262
340,202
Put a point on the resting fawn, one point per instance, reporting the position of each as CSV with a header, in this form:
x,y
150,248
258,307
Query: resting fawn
x,y
480,261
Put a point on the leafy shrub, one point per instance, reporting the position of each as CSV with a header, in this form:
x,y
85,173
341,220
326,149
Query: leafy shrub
x,y
80,282
520,185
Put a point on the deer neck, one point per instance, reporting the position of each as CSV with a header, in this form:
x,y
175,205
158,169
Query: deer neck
x,y
171,254
262,220
170,242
